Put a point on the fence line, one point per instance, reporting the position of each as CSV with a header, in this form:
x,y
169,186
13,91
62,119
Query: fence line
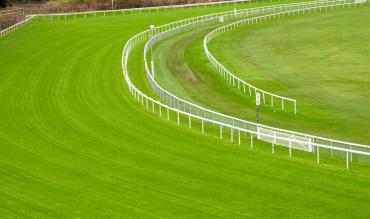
x,y
59,16
15,26
290,139
140,10
241,84
30,18
230,77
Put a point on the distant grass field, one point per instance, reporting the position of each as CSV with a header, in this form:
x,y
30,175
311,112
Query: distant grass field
x,y
321,59
75,144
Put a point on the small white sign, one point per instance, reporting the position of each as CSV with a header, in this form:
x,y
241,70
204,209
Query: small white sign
x,y
258,99
152,65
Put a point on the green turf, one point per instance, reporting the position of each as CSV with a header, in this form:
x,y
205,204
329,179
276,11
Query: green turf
x,y
75,144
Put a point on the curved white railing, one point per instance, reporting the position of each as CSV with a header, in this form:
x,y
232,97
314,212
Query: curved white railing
x,y
181,107
15,26
230,77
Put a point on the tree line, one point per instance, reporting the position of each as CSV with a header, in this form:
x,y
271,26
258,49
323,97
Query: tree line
x,y
96,4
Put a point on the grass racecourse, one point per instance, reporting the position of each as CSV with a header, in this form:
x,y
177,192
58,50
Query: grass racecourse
x,y
75,144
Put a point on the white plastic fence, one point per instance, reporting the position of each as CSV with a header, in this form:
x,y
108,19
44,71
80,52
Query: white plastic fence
x,y
233,79
276,13
59,16
15,26
176,106
138,10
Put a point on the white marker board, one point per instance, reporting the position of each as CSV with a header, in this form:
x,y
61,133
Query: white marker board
x,y
258,99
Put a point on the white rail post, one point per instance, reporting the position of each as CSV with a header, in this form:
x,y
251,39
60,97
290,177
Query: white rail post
x,y
273,143
189,121
313,145
160,110
251,141
350,154
168,114
295,107
232,135
221,132
178,118
347,163
331,149
318,154
202,126
239,137
290,148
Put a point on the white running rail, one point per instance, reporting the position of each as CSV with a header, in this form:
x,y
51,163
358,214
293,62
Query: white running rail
x,y
177,106
137,10
241,84
15,26
64,16
233,79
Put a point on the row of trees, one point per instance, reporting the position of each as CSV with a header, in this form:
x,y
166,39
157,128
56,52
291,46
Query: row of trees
x,y
55,6
98,4
5,3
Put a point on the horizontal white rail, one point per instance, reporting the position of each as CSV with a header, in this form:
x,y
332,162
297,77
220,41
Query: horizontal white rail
x,y
193,111
233,79
140,10
15,26
30,18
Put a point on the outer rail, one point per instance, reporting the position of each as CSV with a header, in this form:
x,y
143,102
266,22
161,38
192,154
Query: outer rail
x,y
30,18
140,10
15,26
